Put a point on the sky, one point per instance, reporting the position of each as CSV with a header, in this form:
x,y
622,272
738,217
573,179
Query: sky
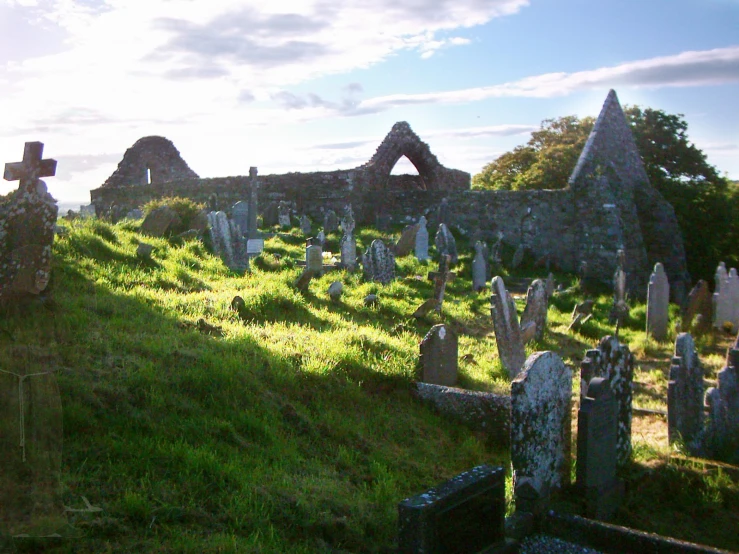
x,y
315,85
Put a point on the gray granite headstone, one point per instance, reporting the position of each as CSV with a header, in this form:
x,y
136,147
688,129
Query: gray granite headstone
x,y
379,263
464,515
535,313
614,362
438,357
540,430
240,216
314,259
658,303
422,240
445,243
330,222
305,225
597,425
685,395
479,268
507,331
348,251
720,276
726,302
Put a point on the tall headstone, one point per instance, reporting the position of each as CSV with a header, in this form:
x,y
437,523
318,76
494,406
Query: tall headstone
x,y
379,263
254,185
240,216
722,429
305,225
438,357
445,243
314,259
685,395
658,303
347,222
507,331
422,241
479,268
540,430
283,215
726,302
348,243
720,276
614,362
535,313
597,425
698,313
220,236
330,222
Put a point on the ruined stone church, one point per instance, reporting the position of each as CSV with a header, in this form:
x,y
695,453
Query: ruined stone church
x,y
608,204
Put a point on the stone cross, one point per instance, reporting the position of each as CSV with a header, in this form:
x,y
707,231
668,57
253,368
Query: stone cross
x,y
438,358
479,268
540,430
726,302
685,395
422,241
658,303
31,168
507,331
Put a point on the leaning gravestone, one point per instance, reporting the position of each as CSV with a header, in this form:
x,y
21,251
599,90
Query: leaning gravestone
x,y
540,430
700,303
535,312
464,515
722,430
507,331
479,268
305,225
597,425
379,263
685,395
438,359
240,216
445,243
658,303
330,222
422,241
614,362
726,302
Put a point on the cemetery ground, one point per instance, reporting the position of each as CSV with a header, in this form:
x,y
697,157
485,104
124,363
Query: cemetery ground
x,y
290,425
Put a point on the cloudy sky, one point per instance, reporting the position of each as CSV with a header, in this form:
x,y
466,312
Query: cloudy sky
x,y
309,85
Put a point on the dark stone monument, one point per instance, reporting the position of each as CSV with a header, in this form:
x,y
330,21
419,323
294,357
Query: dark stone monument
x,y
438,357
685,395
464,515
597,426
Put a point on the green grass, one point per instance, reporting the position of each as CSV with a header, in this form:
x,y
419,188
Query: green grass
x,y
295,431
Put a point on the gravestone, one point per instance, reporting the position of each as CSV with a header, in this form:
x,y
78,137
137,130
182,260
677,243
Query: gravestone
x,y
240,216
700,303
220,236
722,429
348,251
135,214
305,225
270,216
518,256
314,259
535,312
321,238
685,395
330,222
615,363
445,243
407,241
550,285
335,290
465,515
720,276
440,279
283,215
254,185
597,425
726,302
144,250
507,331
88,210
379,263
422,241
620,308
495,250
347,222
540,430
443,214
658,303
438,359
479,268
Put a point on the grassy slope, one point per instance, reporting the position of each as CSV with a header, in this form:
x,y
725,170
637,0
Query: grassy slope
x,y
295,431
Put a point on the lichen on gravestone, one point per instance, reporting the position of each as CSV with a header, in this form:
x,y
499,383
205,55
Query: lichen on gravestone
x,y
507,330
685,395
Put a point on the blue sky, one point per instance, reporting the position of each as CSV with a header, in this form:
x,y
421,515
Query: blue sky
x,y
310,85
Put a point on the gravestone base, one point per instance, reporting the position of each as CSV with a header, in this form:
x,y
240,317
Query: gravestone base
x,y
602,502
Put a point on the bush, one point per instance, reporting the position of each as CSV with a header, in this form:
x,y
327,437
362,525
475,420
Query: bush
x,y
187,210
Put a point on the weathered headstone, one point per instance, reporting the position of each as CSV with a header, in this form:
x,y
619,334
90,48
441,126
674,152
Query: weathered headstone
x,y
347,222
240,216
270,217
330,222
314,259
479,268
406,242
518,256
720,276
283,215
685,395
379,263
722,429
159,221
335,290
658,303
620,308
305,225
540,430
726,302
464,515
550,285
438,359
445,243
348,247
507,331
422,241
220,236
535,312
614,362
597,425
698,314
495,250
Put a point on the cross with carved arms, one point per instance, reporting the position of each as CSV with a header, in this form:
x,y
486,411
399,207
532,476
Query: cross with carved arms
x,y
31,168
441,278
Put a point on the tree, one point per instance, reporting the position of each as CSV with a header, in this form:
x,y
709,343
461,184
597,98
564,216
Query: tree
x,y
703,200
